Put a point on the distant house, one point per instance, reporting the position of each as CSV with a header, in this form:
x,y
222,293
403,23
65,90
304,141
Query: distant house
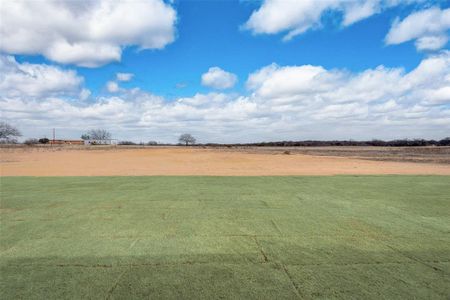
x,y
66,142
100,142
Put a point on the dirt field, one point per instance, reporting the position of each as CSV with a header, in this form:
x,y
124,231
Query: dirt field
x,y
66,161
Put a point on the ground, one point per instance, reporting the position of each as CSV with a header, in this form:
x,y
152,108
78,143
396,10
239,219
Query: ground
x,y
203,237
101,161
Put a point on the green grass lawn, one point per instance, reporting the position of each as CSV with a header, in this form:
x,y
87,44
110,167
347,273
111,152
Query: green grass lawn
x,y
225,237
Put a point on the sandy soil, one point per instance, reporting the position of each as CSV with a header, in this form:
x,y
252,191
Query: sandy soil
x,y
192,161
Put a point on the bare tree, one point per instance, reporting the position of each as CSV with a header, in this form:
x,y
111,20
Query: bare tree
x,y
97,134
187,139
8,132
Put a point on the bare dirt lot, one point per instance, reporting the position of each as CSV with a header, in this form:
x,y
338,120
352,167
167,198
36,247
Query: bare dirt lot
x,y
109,161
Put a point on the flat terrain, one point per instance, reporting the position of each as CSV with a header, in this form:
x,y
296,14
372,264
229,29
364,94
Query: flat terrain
x,y
360,237
429,154
98,161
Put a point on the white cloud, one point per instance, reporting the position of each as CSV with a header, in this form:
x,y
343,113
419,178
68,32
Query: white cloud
x,y
86,33
124,76
283,103
218,78
287,83
438,96
313,86
36,80
385,107
428,27
112,87
431,42
85,94
360,10
296,17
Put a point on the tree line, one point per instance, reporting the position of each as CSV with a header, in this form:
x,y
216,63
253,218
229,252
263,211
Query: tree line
x,y
313,143
9,134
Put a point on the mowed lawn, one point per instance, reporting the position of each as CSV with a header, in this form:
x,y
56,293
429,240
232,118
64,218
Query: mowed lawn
x,y
225,237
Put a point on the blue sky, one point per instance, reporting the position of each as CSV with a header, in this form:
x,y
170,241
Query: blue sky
x,y
209,33
206,34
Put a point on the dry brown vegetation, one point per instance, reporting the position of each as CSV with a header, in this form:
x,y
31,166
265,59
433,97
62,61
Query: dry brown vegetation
x,y
432,154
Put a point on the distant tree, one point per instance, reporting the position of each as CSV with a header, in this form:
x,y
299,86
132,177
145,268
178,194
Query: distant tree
x,y
444,142
8,132
152,143
31,142
187,139
126,143
85,137
44,141
97,134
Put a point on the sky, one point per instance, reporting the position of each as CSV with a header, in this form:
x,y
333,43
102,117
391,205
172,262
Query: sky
x,y
226,71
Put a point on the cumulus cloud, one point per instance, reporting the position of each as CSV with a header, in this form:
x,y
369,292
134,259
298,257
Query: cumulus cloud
x,y
36,80
124,76
85,94
283,83
85,33
431,42
282,102
427,27
311,85
296,17
112,87
218,78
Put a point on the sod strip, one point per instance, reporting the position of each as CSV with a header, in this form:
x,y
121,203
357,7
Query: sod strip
x,y
225,237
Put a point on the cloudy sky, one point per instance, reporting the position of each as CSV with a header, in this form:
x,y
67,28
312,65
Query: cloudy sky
x,y
227,71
